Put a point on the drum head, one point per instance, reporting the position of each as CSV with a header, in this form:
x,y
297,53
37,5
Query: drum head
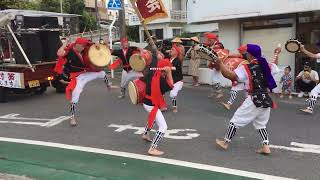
x,y
293,46
99,55
133,94
137,63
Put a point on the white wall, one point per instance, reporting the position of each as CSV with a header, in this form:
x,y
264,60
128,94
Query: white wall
x,y
229,34
205,10
194,28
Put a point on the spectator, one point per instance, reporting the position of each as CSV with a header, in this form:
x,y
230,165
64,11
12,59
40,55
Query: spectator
x,y
307,80
286,81
194,61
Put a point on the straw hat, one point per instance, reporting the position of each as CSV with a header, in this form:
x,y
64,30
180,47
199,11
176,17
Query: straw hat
x,y
176,40
195,39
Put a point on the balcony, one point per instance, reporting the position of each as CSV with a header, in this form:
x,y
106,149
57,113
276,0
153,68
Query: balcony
x,y
174,16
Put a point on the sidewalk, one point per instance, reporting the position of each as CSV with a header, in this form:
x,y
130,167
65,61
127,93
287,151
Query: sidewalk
x,y
12,177
50,163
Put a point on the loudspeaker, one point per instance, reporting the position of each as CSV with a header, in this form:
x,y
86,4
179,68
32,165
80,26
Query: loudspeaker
x,y
31,44
40,22
50,42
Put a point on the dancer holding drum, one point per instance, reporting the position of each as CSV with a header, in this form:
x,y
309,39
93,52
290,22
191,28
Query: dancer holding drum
x,y
213,42
256,108
157,83
176,75
81,62
128,73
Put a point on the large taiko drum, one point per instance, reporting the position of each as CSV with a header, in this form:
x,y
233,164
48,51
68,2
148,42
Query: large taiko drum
x,y
137,91
233,63
140,62
99,56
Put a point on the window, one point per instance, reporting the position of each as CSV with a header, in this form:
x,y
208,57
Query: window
x,y
176,32
176,5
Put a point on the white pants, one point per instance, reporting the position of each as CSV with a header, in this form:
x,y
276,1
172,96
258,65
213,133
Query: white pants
x,y
238,87
82,80
315,91
248,113
176,88
160,121
126,77
216,76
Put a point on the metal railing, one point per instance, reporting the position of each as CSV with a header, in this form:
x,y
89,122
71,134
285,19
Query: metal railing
x,y
175,16
178,16
94,36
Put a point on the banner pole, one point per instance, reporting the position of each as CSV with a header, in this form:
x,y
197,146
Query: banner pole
x,y
153,45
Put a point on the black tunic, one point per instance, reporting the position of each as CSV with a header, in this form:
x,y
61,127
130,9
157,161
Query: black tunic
x,y
164,86
177,74
259,87
74,63
125,58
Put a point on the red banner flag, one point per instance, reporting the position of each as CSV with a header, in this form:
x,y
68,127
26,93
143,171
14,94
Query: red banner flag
x,y
151,9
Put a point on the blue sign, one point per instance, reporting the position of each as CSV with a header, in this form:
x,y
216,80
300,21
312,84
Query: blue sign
x,y
114,5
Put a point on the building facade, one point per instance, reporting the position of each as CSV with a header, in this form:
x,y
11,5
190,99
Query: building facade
x,y
268,23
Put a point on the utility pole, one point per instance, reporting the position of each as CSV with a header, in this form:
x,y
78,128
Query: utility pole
x,y
97,14
61,7
122,21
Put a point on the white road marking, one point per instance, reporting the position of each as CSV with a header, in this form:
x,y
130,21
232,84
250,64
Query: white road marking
x,y
170,133
32,121
148,158
300,147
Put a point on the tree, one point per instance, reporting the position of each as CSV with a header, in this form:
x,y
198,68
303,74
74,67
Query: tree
x,y
50,5
19,4
74,6
87,22
133,33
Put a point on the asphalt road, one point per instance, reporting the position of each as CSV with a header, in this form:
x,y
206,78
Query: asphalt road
x,y
99,108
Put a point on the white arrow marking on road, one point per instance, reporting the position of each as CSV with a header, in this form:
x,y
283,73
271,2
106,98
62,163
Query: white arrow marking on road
x,y
32,121
300,147
170,134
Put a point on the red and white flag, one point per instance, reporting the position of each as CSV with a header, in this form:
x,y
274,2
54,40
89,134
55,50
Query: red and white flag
x,y
151,9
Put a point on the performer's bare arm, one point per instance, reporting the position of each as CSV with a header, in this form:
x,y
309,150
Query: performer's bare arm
x,y
226,72
308,53
61,50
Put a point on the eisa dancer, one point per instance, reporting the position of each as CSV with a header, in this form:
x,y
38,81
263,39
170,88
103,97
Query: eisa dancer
x,y
176,75
256,108
74,64
157,84
124,55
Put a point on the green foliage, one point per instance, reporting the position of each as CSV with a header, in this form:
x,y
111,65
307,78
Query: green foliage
x,y
74,6
50,5
19,4
87,22
187,34
133,33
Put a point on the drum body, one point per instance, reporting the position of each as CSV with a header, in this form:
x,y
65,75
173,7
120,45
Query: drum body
x,y
99,55
138,62
206,52
137,91
233,63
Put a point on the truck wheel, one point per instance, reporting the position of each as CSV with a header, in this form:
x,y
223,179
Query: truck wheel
x,y
60,87
41,90
3,94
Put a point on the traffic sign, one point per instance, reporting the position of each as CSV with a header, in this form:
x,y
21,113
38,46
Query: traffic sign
x,y
114,5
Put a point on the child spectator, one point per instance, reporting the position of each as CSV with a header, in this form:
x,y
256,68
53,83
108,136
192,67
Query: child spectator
x,y
286,81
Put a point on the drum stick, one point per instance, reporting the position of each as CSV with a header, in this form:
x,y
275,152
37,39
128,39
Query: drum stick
x,y
161,69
